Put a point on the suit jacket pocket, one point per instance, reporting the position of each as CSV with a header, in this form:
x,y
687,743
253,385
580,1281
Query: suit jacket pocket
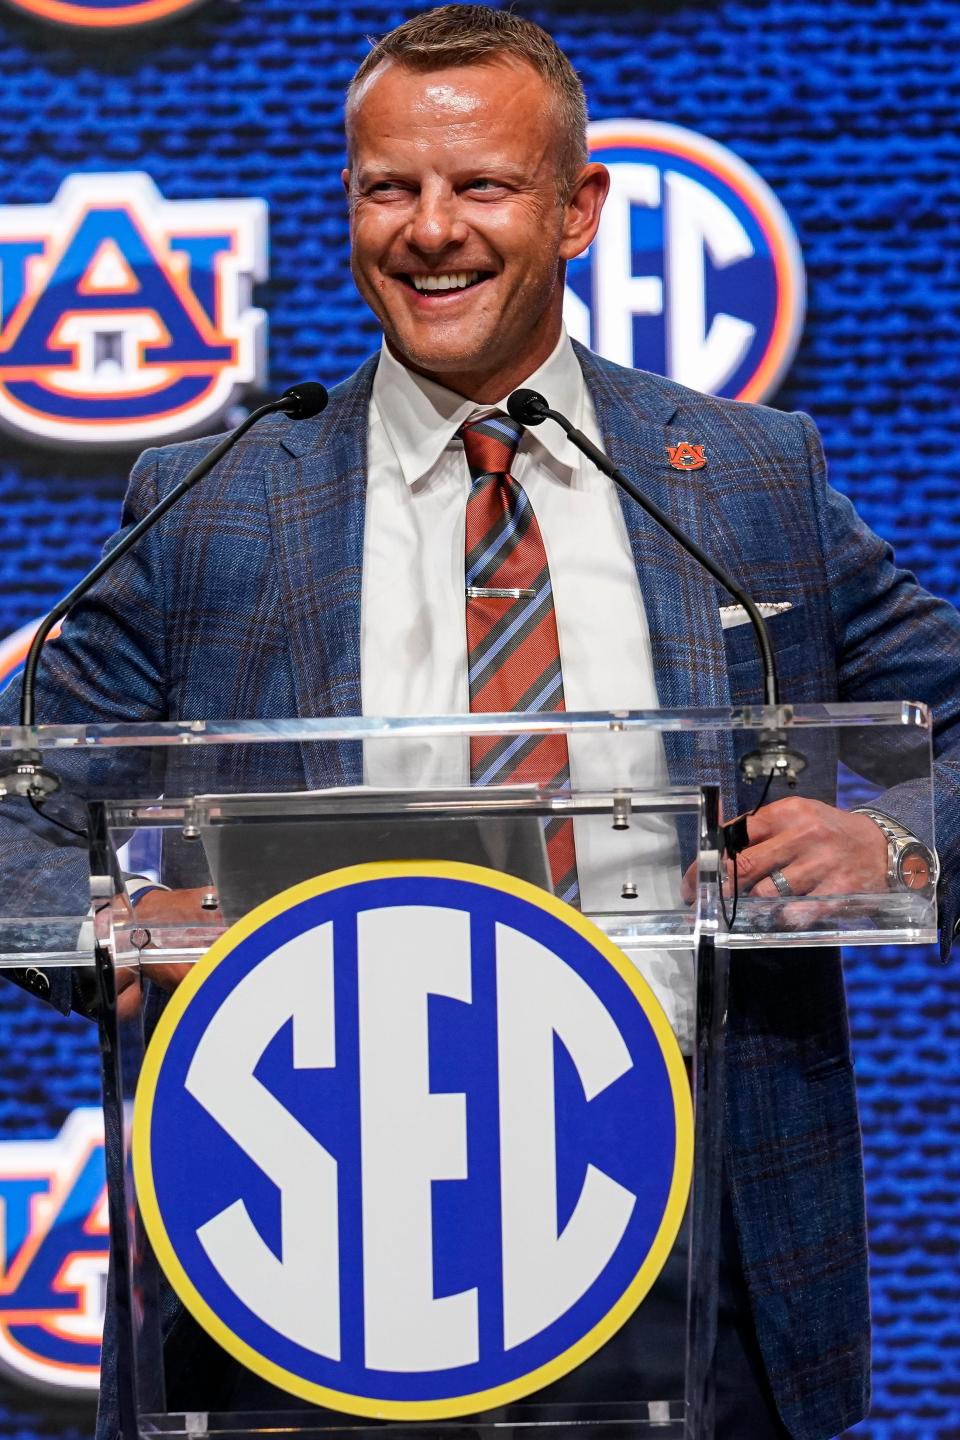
x,y
785,630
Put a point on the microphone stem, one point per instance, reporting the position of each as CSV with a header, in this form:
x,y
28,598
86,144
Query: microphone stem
x,y
771,688
122,546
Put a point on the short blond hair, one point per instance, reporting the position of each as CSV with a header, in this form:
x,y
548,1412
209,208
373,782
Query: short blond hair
x,y
455,35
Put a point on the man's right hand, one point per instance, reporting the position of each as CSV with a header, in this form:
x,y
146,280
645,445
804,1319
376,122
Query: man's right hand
x,y
162,907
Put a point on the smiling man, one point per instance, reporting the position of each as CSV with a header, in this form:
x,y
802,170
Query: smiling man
x,y
410,551
469,189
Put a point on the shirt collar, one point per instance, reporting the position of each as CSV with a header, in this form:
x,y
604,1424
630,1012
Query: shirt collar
x,y
420,417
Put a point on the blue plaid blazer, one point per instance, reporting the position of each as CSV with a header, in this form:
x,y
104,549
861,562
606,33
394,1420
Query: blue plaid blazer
x,y
245,601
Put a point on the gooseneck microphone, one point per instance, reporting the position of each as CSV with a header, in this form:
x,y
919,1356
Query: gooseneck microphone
x,y
773,757
25,776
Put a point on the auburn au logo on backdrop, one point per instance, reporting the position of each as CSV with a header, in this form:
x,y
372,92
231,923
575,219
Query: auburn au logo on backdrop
x,y
54,1234
695,272
14,648
125,317
13,651
101,14
412,1140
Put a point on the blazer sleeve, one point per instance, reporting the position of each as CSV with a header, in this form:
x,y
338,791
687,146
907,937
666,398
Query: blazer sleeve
x,y
107,665
895,641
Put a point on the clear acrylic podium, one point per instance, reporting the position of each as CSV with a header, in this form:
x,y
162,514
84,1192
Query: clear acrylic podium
x,y
236,812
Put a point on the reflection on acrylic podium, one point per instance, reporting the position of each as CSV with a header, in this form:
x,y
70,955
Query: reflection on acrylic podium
x,y
413,1142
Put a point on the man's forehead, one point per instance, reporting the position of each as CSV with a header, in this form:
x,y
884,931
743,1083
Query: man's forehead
x,y
457,91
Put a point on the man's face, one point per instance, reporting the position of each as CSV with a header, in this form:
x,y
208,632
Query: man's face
x,y
458,238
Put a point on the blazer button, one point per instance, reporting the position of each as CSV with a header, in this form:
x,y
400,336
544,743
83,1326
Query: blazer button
x,y
37,981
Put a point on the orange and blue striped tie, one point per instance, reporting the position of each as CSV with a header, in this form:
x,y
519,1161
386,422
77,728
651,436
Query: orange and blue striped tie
x,y
513,650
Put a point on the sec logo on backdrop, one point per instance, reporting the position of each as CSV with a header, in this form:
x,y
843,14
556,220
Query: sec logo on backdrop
x,y
412,1140
125,317
101,14
695,272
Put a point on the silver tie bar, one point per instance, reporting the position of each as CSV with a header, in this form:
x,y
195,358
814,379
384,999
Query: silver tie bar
x,y
479,592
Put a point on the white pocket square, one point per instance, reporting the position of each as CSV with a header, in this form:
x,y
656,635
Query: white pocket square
x,y
731,615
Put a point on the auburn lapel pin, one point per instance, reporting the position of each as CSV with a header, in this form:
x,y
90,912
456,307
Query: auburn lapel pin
x,y
686,456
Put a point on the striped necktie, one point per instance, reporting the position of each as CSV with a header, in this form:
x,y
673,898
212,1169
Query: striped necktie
x,y
513,650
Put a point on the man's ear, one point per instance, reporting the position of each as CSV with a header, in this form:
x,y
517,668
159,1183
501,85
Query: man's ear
x,y
582,210
345,180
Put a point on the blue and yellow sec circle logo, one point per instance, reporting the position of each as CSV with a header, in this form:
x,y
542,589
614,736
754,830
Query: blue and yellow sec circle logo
x,y
412,1140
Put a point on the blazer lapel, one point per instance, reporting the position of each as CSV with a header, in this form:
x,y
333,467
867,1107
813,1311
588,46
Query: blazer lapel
x,y
634,412
316,494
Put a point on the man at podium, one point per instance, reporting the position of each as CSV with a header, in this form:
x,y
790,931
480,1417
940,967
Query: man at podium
x,y
416,550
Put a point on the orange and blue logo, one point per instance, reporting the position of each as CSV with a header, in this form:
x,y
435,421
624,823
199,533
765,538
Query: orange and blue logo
x,y
686,456
125,317
695,272
14,648
104,14
53,1252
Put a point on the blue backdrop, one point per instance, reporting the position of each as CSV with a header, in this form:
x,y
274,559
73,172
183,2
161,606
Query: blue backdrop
x,y
848,109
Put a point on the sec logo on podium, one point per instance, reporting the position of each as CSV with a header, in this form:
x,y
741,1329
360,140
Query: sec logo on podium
x,y
412,1140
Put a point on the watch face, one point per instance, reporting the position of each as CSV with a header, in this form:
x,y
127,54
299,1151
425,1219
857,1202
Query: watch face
x,y
915,869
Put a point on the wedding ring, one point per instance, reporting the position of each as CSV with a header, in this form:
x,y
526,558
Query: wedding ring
x,y
781,882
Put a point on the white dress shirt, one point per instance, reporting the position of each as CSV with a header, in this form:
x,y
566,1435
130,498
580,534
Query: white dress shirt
x,y
413,628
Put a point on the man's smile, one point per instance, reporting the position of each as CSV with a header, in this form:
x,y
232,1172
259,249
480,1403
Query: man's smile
x,y
444,284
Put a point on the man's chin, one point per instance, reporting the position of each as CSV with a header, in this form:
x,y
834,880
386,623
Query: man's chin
x,y
438,358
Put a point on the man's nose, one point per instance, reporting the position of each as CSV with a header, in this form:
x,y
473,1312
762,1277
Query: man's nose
x,y
436,224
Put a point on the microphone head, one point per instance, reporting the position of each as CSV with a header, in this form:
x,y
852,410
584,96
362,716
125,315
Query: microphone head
x,y
303,401
528,406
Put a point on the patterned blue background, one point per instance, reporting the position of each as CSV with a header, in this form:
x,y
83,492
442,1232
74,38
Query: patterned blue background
x,y
848,109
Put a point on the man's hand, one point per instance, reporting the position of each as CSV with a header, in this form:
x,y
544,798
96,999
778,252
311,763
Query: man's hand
x,y
818,850
162,907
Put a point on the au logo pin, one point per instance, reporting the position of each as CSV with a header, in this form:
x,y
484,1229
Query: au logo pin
x,y
686,456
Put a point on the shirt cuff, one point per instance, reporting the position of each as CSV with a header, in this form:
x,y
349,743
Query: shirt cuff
x,y
137,886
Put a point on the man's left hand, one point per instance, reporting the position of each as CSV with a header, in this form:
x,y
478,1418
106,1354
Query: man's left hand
x,y
818,849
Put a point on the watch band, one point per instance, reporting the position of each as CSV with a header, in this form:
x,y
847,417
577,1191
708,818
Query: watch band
x,y
891,828
902,847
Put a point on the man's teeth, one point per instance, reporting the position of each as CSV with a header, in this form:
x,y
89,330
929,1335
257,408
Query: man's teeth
x,y
456,280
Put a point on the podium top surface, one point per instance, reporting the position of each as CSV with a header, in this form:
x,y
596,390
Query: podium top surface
x,y
904,714
158,799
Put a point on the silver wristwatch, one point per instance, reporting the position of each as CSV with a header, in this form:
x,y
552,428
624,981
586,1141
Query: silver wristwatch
x,y
911,865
